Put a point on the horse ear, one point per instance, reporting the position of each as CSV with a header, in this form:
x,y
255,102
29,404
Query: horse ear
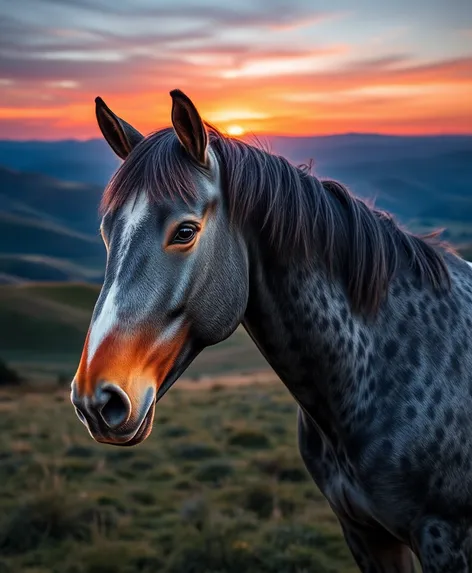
x,y
189,126
120,135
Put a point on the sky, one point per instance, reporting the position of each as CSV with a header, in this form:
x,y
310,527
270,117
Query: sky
x,y
287,67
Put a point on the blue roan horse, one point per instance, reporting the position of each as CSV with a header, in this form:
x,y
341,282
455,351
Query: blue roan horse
x,y
368,326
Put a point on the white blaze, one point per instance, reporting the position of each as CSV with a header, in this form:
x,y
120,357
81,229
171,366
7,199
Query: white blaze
x,y
133,213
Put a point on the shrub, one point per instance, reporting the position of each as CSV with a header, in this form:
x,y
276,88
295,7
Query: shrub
x,y
7,375
120,455
49,517
77,451
259,500
214,549
142,496
287,506
142,465
174,431
163,473
76,468
195,511
114,557
214,471
282,467
293,474
194,452
249,439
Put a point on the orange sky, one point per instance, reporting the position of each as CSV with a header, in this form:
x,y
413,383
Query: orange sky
x,y
290,69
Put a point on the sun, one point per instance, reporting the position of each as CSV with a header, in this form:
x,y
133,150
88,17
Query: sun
x,y
235,130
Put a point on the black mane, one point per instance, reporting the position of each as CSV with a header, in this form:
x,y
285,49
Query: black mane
x,y
302,216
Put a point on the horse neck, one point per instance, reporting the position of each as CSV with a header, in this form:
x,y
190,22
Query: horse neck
x,y
303,325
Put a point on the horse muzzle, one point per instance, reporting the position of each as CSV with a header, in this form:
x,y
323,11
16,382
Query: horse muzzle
x,y
112,417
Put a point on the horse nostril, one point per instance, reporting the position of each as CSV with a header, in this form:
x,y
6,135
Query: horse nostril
x,y
114,406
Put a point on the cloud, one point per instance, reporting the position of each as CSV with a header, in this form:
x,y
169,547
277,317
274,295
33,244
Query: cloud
x,y
269,66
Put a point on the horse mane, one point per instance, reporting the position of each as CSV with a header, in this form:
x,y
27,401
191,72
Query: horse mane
x,y
301,215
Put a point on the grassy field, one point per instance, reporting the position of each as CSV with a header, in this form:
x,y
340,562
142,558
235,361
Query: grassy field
x,y
47,324
219,487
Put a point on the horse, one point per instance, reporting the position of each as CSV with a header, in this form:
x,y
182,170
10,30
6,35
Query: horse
x,y
368,326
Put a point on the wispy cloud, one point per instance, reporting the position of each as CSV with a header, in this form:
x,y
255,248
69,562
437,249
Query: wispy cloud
x,y
286,66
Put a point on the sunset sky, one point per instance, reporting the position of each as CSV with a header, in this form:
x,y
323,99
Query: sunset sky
x,y
290,67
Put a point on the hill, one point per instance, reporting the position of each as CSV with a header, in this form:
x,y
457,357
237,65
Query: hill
x,y
92,161
24,235
19,268
85,161
47,325
414,176
47,225
47,199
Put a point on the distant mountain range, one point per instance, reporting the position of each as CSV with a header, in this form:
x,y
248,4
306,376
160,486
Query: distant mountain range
x,y
84,161
50,191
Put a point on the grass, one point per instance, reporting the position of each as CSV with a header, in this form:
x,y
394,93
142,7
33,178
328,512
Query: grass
x,y
218,487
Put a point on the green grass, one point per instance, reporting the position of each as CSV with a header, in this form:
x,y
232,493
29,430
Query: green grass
x,y
190,499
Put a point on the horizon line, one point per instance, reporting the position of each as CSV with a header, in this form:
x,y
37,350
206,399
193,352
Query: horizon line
x,y
263,135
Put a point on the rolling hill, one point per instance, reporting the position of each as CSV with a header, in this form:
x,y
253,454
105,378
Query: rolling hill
x,y
48,228
22,268
47,199
49,224
415,177
85,161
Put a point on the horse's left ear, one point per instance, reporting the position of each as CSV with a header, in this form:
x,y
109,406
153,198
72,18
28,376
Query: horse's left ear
x,y
189,126
120,135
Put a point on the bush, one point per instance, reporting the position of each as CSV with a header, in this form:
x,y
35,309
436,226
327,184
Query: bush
x,y
249,439
76,468
49,517
259,500
194,452
214,471
287,535
142,496
78,451
212,550
283,467
114,557
174,432
195,511
7,375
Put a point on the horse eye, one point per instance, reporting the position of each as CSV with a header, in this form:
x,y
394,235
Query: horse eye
x,y
184,234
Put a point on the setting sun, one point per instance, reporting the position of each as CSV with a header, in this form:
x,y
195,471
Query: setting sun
x,y
235,130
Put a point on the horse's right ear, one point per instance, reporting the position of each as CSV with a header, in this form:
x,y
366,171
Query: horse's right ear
x,y
120,135
189,127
